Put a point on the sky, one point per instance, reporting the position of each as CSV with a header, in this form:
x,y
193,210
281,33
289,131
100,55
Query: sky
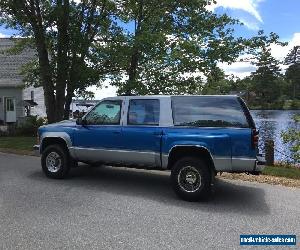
x,y
279,16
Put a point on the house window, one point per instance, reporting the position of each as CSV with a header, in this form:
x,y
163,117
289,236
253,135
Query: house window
x,y
32,95
10,105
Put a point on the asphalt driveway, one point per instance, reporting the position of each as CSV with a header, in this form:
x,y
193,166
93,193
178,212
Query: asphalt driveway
x,y
119,208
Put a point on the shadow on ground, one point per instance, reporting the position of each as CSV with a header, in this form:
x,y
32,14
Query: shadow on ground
x,y
228,196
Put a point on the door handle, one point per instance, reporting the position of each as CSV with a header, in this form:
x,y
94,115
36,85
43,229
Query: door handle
x,y
116,132
158,133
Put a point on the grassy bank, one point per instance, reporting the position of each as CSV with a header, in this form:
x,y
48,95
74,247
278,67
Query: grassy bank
x,y
17,144
282,171
284,175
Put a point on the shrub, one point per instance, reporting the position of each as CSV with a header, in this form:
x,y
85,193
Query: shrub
x,y
292,138
30,126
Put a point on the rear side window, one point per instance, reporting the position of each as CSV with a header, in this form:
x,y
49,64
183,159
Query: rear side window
x,y
143,112
208,111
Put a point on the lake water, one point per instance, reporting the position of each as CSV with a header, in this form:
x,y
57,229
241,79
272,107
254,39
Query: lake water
x,y
270,124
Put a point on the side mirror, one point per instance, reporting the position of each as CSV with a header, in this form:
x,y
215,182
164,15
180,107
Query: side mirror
x,y
80,121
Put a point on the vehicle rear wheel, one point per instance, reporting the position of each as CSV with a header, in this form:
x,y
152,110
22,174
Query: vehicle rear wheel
x,y
56,161
190,177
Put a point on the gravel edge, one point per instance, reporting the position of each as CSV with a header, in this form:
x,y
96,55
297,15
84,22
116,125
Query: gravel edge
x,y
269,179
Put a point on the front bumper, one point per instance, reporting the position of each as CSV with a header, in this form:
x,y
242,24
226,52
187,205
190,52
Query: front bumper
x,y
36,150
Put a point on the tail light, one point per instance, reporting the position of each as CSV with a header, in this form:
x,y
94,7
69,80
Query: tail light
x,y
255,137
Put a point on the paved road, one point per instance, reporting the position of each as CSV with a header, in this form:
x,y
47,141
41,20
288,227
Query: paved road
x,y
118,208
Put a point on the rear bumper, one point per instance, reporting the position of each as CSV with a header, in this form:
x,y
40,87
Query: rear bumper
x,y
259,165
36,150
248,165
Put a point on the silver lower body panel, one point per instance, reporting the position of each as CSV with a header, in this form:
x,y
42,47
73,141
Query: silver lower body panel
x,y
117,156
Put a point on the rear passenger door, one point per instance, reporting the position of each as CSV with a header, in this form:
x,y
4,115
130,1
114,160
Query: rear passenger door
x,y
141,134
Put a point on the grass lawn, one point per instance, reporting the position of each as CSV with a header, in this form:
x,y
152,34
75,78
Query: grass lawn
x,y
282,171
17,142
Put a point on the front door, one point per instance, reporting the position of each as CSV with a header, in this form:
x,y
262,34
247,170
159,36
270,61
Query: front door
x,y
99,138
10,109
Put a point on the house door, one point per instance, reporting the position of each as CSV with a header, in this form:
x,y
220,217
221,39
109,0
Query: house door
x,y
10,109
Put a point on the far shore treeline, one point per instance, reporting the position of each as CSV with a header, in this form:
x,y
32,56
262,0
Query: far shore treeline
x,y
145,47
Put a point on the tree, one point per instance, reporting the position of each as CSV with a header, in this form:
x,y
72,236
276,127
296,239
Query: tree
x,y
266,79
63,33
216,82
292,73
293,56
172,45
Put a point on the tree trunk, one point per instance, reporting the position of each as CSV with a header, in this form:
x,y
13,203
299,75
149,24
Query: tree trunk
x,y
69,98
70,91
72,82
62,56
135,56
132,73
45,72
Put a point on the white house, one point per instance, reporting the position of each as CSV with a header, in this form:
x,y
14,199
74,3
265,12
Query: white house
x,y
17,101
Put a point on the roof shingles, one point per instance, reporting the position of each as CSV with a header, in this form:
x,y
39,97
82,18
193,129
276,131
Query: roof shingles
x,y
11,64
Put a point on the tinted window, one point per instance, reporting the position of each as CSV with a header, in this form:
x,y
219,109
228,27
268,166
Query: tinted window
x,y
208,111
143,112
105,113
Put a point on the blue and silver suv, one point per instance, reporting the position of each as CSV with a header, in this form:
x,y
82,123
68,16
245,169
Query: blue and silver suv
x,y
193,136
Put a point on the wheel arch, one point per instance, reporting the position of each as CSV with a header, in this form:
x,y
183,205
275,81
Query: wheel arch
x,y
180,151
50,140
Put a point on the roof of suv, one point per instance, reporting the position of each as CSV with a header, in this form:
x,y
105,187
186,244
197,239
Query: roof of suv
x,y
167,96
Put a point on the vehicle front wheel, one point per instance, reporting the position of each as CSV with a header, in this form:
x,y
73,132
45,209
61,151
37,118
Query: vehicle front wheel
x,y
190,177
56,161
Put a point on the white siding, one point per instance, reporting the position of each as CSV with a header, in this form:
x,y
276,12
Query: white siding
x,y
40,109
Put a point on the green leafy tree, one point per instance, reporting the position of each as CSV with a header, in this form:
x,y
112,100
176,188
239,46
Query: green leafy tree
x,y
64,33
266,79
293,71
172,45
217,82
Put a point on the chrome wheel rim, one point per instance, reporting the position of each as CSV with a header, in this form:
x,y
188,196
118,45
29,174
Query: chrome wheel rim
x,y
53,162
189,179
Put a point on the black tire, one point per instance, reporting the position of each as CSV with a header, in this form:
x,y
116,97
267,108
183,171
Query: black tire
x,y
60,161
191,179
